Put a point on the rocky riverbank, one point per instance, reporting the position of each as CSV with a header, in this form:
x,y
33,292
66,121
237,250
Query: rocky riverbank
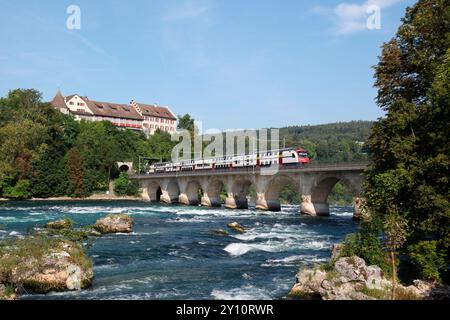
x,y
52,258
350,278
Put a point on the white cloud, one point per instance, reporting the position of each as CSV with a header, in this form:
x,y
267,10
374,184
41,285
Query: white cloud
x,y
351,17
186,13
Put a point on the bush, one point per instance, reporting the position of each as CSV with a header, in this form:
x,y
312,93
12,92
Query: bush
x,y
369,247
20,191
124,187
428,258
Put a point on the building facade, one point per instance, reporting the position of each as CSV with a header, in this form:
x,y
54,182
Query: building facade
x,y
135,116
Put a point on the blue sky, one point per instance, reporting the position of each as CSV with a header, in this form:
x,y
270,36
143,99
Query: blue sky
x,y
232,64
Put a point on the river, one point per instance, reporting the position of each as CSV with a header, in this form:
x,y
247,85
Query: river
x,y
172,253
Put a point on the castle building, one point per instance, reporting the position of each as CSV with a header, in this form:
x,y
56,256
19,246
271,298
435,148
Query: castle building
x,y
135,116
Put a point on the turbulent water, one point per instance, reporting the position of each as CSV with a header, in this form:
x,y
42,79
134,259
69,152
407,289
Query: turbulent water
x,y
172,253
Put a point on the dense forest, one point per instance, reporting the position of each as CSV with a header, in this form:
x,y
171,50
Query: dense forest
x,y
333,142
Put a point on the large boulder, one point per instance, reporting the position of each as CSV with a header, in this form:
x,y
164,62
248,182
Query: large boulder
x,y
49,265
308,283
428,290
375,279
351,269
336,250
348,279
114,223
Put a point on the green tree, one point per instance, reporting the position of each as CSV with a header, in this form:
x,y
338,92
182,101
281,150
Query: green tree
x,y
186,122
160,145
409,146
100,153
123,186
395,229
429,259
20,191
76,172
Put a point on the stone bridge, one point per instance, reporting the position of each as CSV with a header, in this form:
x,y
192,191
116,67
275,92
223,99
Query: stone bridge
x,y
203,187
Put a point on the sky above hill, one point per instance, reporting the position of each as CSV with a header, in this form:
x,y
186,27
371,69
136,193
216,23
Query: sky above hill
x,y
232,64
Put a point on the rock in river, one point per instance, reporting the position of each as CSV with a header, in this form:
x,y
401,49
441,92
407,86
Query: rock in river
x,y
236,227
59,224
220,232
39,264
114,223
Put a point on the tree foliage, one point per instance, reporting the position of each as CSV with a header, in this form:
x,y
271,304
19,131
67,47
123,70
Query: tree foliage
x,y
410,146
332,142
124,187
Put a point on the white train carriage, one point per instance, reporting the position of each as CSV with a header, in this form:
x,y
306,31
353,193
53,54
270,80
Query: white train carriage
x,y
263,158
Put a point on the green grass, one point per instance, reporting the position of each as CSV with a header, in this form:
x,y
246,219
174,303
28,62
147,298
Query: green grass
x,y
376,293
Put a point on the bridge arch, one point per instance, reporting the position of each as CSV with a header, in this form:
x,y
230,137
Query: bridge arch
x,y
193,190
276,184
315,202
270,200
154,191
212,191
170,191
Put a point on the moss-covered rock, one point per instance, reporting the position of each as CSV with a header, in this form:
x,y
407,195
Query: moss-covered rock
x,y
41,264
59,224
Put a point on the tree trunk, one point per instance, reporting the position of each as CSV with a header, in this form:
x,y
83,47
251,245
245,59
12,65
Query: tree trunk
x,y
394,275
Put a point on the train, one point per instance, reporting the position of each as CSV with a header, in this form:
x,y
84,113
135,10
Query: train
x,y
283,157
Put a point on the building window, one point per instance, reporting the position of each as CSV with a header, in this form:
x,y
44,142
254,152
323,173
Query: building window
x,y
71,103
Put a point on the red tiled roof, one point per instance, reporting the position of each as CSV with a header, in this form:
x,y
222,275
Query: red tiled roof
x,y
113,110
58,101
155,111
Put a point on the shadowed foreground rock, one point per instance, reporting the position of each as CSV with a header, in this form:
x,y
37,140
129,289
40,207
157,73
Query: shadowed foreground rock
x,y
114,223
349,278
41,265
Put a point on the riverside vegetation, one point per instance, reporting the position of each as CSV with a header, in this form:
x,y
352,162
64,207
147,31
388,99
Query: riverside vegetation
x,y
406,222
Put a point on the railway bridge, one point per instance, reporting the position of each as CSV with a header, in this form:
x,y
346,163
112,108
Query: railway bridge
x,y
203,187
